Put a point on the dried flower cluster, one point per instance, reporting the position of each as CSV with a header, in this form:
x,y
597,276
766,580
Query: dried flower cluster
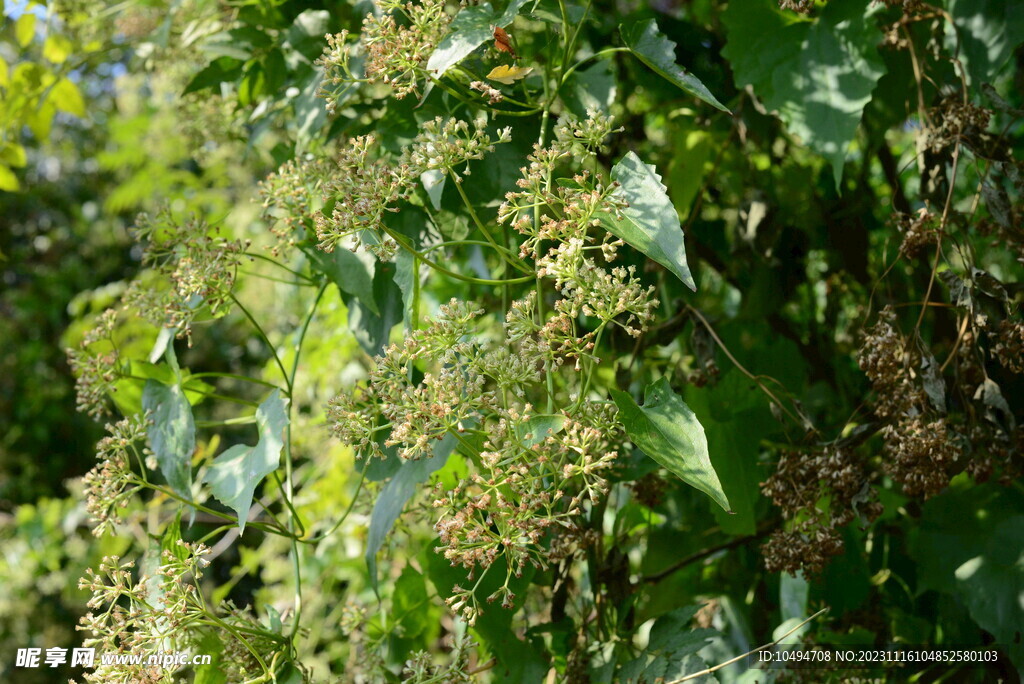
x,y
819,492
919,231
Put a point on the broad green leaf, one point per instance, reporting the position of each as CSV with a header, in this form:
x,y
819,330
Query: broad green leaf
x,y
984,34
234,475
68,98
518,660
655,50
220,70
372,327
410,604
667,430
470,29
992,586
172,434
817,75
671,650
735,418
56,48
592,88
650,223
396,493
25,28
351,272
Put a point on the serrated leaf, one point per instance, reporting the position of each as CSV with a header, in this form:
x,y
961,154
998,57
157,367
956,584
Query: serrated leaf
x,y
817,75
668,431
172,434
396,493
234,475
650,223
655,50
470,29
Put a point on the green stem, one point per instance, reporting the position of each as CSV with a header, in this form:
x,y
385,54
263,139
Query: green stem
x,y
486,233
441,269
266,340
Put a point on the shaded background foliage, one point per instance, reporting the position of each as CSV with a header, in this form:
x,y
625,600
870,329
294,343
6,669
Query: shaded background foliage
x,y
787,207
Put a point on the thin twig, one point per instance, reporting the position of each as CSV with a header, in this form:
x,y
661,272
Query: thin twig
x,y
710,670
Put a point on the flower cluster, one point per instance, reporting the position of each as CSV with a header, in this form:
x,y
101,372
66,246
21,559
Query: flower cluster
x,y
362,190
290,195
199,264
110,485
441,145
396,49
420,668
365,186
919,231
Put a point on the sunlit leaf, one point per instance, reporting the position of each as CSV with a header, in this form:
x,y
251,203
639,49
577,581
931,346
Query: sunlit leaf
x,y
234,475
650,223
659,53
509,74
667,430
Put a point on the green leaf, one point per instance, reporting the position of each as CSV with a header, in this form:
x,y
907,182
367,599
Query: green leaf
x,y
172,434
992,584
25,28
818,75
667,430
236,472
396,493
650,223
470,29
8,180
56,48
68,98
372,326
409,603
655,50
670,651
220,70
592,88
984,34
351,272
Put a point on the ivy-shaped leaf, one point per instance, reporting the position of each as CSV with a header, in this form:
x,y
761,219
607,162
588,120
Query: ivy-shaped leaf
x,y
172,433
655,50
668,431
650,223
236,472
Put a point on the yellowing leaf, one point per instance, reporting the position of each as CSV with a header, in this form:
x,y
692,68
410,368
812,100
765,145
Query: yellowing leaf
x,y
56,49
5,77
68,98
25,28
509,74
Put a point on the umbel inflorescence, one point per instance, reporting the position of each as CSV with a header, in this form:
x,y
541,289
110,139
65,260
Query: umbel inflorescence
x,y
461,381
